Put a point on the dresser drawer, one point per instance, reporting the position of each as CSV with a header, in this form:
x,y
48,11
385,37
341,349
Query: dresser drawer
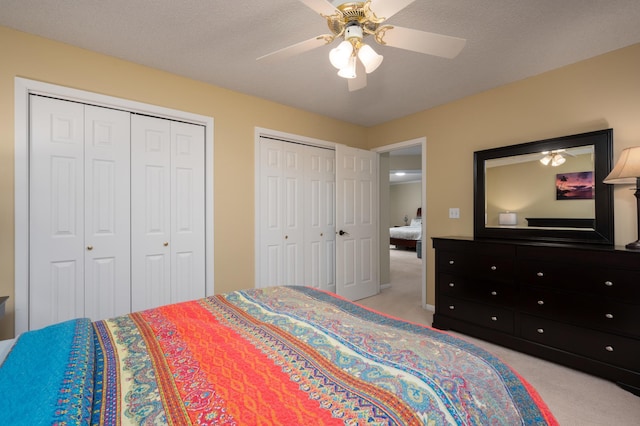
x,y
483,291
475,265
612,349
589,311
481,314
571,274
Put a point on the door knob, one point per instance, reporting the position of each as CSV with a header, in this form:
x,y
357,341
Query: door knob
x,y
89,248
166,243
341,232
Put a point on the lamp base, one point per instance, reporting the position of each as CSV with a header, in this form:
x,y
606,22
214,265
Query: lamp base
x,y
633,246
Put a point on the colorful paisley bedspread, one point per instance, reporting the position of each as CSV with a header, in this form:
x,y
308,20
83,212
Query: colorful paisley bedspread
x,y
297,356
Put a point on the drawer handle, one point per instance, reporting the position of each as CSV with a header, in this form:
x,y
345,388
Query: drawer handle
x,y
540,274
494,293
608,283
452,284
540,330
451,262
609,316
493,268
494,318
609,348
452,307
540,302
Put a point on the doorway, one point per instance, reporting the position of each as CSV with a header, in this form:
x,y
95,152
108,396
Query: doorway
x,y
414,174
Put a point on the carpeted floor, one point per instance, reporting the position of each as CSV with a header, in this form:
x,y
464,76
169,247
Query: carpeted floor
x,y
575,398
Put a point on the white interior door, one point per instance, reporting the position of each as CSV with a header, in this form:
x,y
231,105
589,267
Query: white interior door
x,y
68,197
270,257
150,212
107,213
281,218
293,213
319,204
187,212
56,197
167,212
79,215
356,223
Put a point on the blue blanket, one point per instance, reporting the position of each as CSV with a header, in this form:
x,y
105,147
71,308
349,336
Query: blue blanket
x,y
47,377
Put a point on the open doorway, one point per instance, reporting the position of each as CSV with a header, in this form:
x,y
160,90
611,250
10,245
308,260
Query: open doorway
x,y
402,209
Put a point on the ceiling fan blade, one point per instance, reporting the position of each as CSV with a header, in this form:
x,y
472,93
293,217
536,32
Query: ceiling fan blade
x,y
360,82
387,8
323,7
297,48
423,42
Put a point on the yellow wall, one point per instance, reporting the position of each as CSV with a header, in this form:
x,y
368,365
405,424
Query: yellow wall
x,y
598,93
404,199
595,94
235,118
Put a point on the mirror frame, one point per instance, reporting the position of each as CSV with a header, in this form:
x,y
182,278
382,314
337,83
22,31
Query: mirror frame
x,y
603,232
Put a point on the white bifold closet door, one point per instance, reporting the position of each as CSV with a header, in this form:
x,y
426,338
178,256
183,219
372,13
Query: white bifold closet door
x,y
320,226
167,212
297,218
116,212
79,212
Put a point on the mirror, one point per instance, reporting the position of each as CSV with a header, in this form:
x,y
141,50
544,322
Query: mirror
x,y
548,190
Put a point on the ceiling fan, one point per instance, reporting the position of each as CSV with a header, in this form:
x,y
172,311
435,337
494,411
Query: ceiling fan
x,y
555,157
353,21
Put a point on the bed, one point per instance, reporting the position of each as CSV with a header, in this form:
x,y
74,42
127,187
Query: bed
x,y
407,236
280,355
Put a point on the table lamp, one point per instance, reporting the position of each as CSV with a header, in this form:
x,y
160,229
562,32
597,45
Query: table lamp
x,y
627,171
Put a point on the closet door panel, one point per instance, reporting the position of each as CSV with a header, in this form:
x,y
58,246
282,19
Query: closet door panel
x,y
293,174
107,213
319,238
56,258
150,212
187,212
271,217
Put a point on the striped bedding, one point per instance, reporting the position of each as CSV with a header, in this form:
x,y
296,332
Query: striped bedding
x,y
275,356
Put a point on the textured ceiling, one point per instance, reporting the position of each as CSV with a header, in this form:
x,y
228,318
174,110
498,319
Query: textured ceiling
x,y
218,41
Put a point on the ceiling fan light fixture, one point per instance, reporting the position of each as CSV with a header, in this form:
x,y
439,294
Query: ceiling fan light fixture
x,y
349,71
353,30
339,56
546,160
557,160
369,58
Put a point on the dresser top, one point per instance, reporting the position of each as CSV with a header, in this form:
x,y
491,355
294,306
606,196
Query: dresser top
x,y
596,247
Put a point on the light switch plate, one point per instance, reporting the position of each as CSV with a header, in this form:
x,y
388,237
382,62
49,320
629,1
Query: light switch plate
x,y
454,213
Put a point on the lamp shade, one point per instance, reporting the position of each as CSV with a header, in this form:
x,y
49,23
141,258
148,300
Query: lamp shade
x,y
546,160
369,58
339,56
627,169
507,218
557,160
349,71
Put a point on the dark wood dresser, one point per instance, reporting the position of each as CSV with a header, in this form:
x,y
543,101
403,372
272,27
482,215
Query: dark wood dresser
x,y
572,304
